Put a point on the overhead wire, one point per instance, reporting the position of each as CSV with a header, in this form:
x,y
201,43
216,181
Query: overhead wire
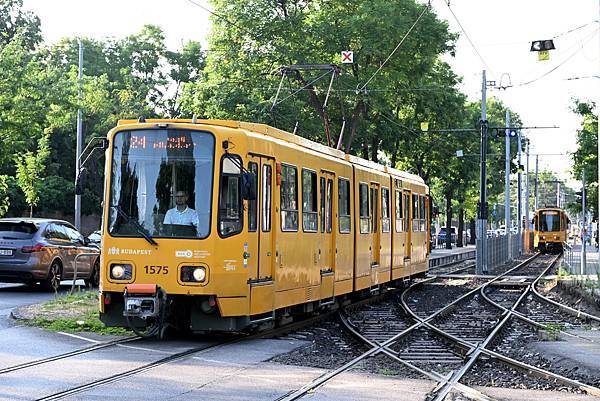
x,y
395,49
467,36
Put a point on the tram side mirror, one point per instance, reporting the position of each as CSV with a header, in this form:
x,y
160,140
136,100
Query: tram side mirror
x,y
80,182
248,185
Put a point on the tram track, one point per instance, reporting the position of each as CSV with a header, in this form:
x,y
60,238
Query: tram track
x,y
459,351
84,350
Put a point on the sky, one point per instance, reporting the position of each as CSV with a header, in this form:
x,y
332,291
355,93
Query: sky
x,y
500,33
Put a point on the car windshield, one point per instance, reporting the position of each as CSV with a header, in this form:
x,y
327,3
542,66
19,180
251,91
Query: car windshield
x,y
17,230
161,183
550,221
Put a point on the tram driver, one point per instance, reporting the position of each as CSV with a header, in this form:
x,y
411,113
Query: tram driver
x,y
181,215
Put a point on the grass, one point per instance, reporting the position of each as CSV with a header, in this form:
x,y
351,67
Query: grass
x,y
553,331
70,313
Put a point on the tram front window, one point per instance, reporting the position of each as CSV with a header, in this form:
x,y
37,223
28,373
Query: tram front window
x,y
161,184
550,221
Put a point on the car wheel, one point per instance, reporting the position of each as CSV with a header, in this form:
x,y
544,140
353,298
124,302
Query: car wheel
x,y
52,283
94,279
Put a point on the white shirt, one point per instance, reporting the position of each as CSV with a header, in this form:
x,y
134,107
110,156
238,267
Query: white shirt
x,y
187,217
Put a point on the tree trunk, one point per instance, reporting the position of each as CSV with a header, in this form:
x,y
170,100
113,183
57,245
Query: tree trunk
x,y
358,110
448,220
365,150
375,146
30,210
461,227
473,234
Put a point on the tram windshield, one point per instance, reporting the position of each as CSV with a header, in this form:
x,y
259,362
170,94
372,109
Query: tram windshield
x,y
550,221
161,183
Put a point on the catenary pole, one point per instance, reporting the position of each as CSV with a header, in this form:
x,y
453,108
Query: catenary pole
x,y
584,228
519,198
79,139
527,194
537,160
482,267
507,224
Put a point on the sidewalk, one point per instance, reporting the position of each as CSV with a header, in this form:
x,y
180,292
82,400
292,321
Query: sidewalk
x,y
443,256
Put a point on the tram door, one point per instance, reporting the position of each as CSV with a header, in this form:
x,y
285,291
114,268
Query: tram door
x,y
407,224
375,223
253,219
327,233
266,246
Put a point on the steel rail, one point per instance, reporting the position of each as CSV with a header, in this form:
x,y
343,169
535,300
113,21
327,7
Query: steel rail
x,y
131,372
566,308
472,356
530,321
420,322
394,355
476,350
184,354
68,354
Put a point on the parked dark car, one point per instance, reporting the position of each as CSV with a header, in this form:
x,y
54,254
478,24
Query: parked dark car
x,y
441,238
36,250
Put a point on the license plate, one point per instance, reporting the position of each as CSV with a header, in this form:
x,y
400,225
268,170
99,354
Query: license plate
x,y
6,252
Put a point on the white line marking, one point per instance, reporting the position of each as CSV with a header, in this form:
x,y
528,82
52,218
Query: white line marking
x,y
78,337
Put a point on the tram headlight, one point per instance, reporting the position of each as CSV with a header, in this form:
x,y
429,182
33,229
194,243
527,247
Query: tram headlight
x,y
193,274
121,271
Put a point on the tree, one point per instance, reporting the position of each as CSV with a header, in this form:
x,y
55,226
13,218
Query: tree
x,y
259,36
585,157
29,169
15,21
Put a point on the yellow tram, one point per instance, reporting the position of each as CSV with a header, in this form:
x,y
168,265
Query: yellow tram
x,y
550,227
223,225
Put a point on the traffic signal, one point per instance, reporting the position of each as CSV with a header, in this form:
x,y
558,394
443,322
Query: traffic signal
x,y
501,132
542,45
578,197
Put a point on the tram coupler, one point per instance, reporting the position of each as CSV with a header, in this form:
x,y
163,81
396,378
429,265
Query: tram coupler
x,y
142,300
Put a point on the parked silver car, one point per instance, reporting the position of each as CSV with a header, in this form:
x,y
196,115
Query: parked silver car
x,y
36,250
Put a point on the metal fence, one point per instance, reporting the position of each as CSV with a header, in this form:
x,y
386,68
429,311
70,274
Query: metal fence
x,y
498,249
573,261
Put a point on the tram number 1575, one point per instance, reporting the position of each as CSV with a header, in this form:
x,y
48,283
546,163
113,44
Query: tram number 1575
x,y
156,269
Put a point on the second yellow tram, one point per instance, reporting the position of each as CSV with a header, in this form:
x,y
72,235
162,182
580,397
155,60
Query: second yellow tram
x,y
550,227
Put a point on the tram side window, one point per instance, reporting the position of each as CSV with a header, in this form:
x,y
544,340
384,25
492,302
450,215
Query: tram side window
x,y
422,212
374,211
289,198
266,198
385,210
329,205
252,209
322,204
309,201
399,222
344,205
415,211
406,211
363,196
230,199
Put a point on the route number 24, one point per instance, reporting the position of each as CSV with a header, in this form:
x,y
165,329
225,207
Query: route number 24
x,y
156,269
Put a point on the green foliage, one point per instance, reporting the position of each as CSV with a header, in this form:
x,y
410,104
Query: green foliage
x,y
15,21
29,169
585,157
4,198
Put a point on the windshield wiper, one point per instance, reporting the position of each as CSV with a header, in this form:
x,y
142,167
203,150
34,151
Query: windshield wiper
x,y
139,228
